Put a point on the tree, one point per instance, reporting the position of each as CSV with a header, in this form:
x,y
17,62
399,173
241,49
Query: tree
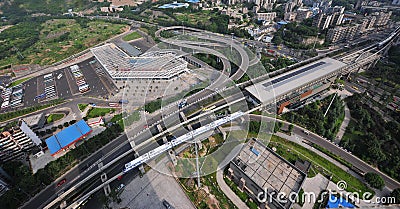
x,y
396,194
278,126
375,180
291,127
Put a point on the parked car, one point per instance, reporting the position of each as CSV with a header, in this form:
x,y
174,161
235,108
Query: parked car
x,y
61,182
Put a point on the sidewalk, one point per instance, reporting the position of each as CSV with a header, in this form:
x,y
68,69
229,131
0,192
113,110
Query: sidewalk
x,y
344,124
228,192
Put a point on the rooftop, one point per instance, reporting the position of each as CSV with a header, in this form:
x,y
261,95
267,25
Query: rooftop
x,y
156,64
33,120
268,170
67,136
266,91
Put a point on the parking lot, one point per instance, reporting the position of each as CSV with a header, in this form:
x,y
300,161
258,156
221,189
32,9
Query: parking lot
x,y
99,82
64,84
12,98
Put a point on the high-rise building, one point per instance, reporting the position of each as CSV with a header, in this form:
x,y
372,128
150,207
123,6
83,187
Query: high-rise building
x,y
266,4
289,6
290,16
382,18
342,33
331,16
303,13
267,16
16,142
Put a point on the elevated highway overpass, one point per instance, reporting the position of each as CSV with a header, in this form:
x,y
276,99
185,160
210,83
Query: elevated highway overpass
x,y
342,70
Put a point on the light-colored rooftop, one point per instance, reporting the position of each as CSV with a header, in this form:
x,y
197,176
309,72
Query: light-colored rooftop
x,y
268,170
266,91
158,64
33,120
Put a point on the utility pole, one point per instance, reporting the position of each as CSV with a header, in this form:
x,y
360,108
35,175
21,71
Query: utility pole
x,y
197,164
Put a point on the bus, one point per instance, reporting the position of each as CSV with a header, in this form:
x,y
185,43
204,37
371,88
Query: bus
x,y
48,76
83,88
113,104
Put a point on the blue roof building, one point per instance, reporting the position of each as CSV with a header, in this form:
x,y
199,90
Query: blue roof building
x,y
67,137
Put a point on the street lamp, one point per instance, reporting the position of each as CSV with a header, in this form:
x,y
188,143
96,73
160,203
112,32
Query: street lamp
x,y
183,29
316,40
232,41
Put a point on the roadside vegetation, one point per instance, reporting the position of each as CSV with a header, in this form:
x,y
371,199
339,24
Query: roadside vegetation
x,y
210,194
292,152
54,117
375,180
132,36
211,20
82,107
96,112
311,116
271,63
387,71
211,60
241,194
25,184
17,82
21,112
371,138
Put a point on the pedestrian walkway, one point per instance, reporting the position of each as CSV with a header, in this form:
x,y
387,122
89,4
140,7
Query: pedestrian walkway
x,y
344,124
228,192
313,185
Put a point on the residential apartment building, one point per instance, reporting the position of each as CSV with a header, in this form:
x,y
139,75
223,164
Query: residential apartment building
x,y
332,16
382,18
266,16
303,13
342,33
16,142
290,16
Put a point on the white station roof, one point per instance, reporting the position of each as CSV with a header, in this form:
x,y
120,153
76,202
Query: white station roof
x,y
266,91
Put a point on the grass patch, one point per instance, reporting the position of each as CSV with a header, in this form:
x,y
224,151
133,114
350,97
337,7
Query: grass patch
x,y
17,82
330,154
21,112
55,39
291,151
54,117
132,36
82,107
96,112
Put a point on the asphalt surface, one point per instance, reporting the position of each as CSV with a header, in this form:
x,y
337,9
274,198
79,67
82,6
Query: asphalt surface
x,y
106,154
355,161
83,170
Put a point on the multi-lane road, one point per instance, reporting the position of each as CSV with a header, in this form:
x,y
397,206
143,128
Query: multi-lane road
x,y
121,145
335,149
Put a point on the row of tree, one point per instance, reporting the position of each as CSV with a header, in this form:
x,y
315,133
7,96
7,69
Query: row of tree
x,y
371,138
311,116
26,185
